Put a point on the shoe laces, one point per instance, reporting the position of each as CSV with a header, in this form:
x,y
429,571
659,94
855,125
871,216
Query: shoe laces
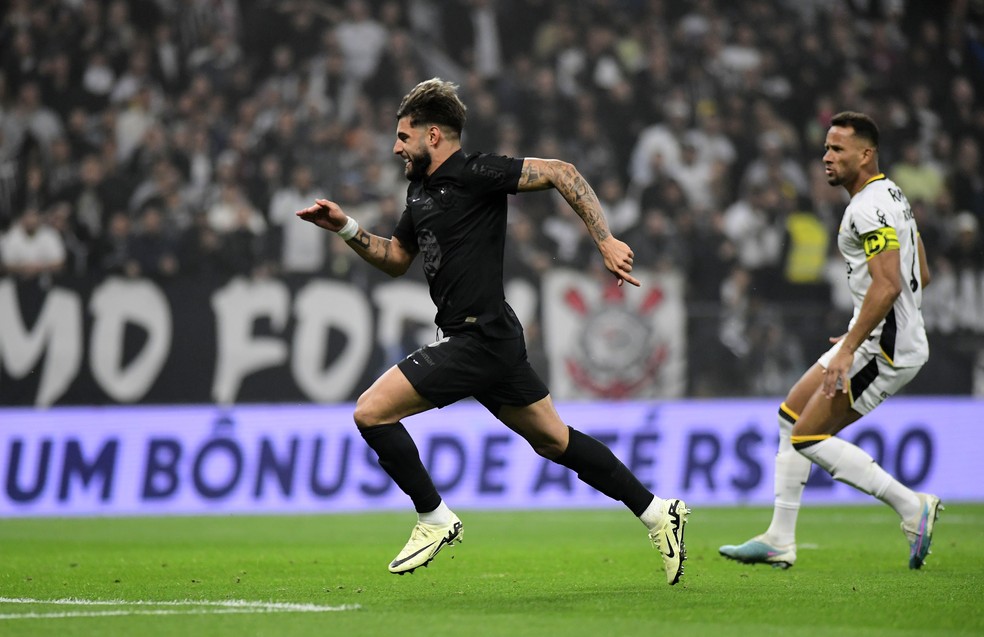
x,y
418,532
656,537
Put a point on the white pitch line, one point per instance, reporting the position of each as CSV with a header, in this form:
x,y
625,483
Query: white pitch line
x,y
164,607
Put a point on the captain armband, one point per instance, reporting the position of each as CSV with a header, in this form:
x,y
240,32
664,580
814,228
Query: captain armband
x,y
349,230
879,240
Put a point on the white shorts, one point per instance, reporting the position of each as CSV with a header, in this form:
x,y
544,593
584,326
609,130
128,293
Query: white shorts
x,y
873,379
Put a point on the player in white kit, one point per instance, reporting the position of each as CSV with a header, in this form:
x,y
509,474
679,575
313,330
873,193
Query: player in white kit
x,y
884,348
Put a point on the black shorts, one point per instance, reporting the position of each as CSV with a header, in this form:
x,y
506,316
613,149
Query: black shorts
x,y
494,372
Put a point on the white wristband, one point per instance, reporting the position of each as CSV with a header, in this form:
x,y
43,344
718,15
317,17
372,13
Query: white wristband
x,y
349,230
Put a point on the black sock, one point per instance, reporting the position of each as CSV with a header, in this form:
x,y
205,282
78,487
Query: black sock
x,y
399,457
597,466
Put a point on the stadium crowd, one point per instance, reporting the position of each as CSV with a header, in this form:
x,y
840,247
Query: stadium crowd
x,y
171,138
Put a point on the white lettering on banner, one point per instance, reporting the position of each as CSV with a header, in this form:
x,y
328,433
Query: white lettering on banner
x,y
56,337
319,307
265,459
237,306
609,342
116,303
55,345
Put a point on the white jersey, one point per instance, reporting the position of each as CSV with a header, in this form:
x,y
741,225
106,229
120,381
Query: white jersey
x,y
878,217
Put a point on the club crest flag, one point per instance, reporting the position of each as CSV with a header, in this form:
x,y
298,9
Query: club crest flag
x,y
605,341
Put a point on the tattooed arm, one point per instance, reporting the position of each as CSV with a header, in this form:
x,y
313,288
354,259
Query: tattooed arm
x,y
389,255
540,174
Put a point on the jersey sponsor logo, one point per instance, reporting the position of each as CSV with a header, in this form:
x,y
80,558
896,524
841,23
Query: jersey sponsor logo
x,y
488,171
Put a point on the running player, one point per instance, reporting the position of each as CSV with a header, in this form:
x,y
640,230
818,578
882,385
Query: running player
x,y
455,218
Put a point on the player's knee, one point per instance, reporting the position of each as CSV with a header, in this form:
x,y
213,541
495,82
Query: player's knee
x,y
365,415
549,449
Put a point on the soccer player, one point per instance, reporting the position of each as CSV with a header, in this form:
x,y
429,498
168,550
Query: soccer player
x,y
883,349
455,217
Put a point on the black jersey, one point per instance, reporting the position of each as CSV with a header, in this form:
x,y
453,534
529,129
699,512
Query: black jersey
x,y
456,219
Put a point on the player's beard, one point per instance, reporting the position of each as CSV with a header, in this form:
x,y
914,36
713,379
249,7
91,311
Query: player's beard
x,y
419,163
834,178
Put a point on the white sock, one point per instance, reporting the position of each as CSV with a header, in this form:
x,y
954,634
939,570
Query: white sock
x,y
851,465
651,517
792,471
441,515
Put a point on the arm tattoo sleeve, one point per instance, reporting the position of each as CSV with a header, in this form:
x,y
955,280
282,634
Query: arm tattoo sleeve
x,y
583,200
540,174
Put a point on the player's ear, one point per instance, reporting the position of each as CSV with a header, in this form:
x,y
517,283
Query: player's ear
x,y
868,154
434,135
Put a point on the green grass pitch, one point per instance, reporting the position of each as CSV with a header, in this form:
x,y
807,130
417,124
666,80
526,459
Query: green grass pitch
x,y
567,573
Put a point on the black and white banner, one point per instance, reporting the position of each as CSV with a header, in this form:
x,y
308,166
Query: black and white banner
x,y
271,340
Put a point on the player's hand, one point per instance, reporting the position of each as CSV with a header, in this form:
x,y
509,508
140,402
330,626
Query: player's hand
x,y
324,214
618,259
836,374
836,339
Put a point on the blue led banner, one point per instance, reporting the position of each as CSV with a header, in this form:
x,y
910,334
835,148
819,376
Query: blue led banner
x,y
267,459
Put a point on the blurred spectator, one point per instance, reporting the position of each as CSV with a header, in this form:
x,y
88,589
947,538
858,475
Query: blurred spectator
x,y
153,247
661,139
59,87
564,231
709,139
966,256
21,62
98,79
76,247
622,210
270,179
232,210
525,259
655,242
199,249
30,122
216,59
242,250
472,35
700,179
33,192
137,76
285,76
752,225
919,180
967,178
591,150
31,248
298,249
775,166
133,123
112,252
361,40
166,63
62,169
